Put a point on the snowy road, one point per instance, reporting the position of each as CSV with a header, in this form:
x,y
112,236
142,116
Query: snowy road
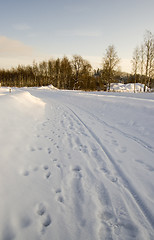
x,y
76,165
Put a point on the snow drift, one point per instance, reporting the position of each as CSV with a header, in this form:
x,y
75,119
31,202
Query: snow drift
x,y
120,87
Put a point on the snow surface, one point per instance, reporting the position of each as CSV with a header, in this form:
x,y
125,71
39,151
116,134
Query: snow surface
x,y
76,165
129,87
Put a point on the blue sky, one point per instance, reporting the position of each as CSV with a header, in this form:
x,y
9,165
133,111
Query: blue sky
x,y
41,29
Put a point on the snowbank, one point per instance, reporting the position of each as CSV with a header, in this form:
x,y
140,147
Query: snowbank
x,y
120,87
49,87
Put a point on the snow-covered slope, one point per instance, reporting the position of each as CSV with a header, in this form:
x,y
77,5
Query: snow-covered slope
x,y
76,165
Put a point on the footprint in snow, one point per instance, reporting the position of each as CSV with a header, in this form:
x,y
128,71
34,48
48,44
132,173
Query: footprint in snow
x,y
146,166
40,209
45,167
60,197
32,149
58,166
35,169
49,150
45,218
48,174
51,139
39,148
55,160
25,172
77,169
108,175
58,190
114,142
122,149
77,172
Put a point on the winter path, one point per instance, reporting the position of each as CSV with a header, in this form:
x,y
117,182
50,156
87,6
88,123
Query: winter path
x,y
76,165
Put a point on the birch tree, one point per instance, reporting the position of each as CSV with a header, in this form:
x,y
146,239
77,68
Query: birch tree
x,y
110,64
149,55
135,63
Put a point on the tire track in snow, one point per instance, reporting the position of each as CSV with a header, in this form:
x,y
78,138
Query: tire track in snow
x,y
142,143
126,183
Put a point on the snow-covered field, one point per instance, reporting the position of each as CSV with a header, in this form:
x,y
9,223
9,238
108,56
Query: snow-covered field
x,y
76,165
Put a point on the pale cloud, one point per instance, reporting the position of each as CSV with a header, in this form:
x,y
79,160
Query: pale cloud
x,y
79,33
21,27
13,48
77,8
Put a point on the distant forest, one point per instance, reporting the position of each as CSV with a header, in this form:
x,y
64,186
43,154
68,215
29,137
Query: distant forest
x,y
78,73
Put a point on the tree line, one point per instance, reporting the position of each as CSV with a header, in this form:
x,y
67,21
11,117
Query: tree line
x,y
78,73
61,73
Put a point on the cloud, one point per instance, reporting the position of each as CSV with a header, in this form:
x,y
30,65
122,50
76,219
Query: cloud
x,y
79,33
13,48
21,27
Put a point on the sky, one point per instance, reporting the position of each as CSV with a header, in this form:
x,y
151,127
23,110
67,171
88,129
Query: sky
x,y
43,29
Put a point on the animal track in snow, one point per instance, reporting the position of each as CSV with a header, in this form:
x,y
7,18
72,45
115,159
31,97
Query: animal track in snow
x,y
35,169
39,148
25,172
58,190
49,150
122,149
77,169
32,149
109,176
45,167
146,166
48,174
77,172
45,218
40,209
58,166
105,170
114,142
51,139
55,160
60,197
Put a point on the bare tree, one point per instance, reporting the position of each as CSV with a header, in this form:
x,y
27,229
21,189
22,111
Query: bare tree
x,y
110,64
77,63
149,55
142,61
65,73
35,71
135,63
